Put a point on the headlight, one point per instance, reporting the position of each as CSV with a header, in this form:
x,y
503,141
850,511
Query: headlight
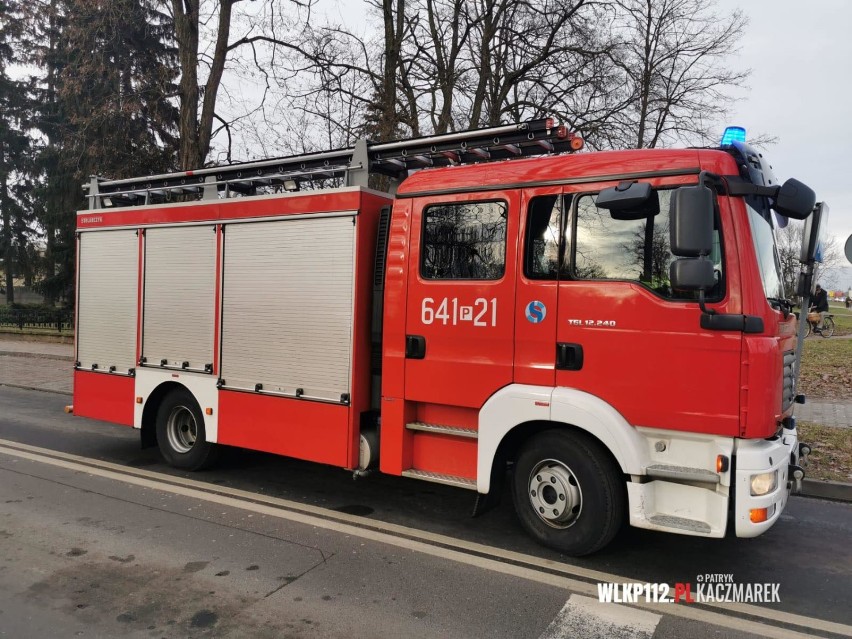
x,y
764,483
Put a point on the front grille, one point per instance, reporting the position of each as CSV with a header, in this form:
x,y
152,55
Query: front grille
x,y
788,390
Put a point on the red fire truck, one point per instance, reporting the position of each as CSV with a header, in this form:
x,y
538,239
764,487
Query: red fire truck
x,y
604,335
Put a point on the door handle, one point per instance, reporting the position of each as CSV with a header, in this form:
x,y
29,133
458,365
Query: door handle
x,y
415,347
569,357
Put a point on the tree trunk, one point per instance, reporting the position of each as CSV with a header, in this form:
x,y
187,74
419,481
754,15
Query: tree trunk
x,y
393,16
186,34
9,253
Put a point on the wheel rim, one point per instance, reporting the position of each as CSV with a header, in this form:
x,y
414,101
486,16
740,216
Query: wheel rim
x,y
555,494
181,429
828,329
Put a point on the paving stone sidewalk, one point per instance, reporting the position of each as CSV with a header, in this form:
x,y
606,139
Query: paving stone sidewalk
x,y
825,412
18,347
47,366
40,365
41,373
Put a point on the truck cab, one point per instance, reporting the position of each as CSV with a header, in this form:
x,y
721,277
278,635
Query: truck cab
x,y
542,335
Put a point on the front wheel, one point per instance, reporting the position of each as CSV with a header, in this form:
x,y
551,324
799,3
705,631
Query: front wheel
x,y
180,432
827,327
568,493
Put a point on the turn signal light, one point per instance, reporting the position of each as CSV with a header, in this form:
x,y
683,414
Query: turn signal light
x,y
69,409
208,411
758,515
138,400
722,464
577,143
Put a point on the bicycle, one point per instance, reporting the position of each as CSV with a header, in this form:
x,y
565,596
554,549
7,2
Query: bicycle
x,y
812,322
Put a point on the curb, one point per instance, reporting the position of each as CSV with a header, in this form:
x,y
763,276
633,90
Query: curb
x,y
64,358
36,388
833,490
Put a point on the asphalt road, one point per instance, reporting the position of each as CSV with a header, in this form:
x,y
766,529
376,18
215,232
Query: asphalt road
x,y
100,538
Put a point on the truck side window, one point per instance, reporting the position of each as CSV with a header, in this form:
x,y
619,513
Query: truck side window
x,y
633,250
464,241
542,250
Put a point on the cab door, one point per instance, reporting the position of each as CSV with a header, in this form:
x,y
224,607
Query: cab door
x,y
628,338
460,308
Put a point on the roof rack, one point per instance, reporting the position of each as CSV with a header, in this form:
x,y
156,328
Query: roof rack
x,y
351,165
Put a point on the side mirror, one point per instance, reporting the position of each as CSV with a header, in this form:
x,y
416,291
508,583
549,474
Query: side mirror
x,y
691,225
692,274
629,201
795,200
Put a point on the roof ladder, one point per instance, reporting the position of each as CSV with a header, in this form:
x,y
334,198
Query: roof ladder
x,y
351,165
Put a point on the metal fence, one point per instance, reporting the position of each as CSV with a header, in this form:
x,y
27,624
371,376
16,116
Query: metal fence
x,y
61,320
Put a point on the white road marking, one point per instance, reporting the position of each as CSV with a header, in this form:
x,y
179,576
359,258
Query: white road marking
x,y
422,541
587,618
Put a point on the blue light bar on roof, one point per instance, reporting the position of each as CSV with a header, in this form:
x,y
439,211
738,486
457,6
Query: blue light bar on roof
x,y
733,134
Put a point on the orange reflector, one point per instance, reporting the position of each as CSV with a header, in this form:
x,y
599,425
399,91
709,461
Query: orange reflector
x,y
577,143
721,464
758,515
138,400
208,411
69,409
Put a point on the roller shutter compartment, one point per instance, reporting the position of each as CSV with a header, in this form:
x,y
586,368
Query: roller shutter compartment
x,y
180,292
287,307
107,300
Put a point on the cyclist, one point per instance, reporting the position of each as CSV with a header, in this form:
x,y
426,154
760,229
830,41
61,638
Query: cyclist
x,y
820,305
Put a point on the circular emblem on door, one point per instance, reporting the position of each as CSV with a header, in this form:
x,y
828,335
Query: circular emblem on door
x,y
536,311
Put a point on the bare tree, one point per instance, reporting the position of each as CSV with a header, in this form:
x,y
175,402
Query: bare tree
x,y
529,56
444,65
624,73
673,58
195,127
789,240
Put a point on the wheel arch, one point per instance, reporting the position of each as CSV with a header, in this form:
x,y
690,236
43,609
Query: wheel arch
x,y
517,412
150,408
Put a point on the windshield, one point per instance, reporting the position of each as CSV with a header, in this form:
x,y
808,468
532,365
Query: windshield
x,y
767,255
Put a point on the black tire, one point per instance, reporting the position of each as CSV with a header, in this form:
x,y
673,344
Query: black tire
x,y
180,432
568,492
827,327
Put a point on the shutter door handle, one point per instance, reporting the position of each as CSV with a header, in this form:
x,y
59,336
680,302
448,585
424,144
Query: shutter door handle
x,y
415,347
569,357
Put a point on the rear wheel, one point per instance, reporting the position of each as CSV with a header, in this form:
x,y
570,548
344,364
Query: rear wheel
x,y
568,492
180,432
827,327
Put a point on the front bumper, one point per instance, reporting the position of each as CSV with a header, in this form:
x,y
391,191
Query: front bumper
x,y
761,456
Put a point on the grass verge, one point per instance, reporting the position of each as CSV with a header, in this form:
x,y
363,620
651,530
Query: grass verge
x,y
842,319
827,369
831,451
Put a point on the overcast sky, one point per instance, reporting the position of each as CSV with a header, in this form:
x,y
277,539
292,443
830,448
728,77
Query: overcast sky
x,y
800,90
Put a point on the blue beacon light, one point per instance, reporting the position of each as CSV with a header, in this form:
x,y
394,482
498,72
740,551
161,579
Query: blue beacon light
x,y
733,134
